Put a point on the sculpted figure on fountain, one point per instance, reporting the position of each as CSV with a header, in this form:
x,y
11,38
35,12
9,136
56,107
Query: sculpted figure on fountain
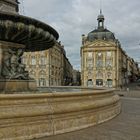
x,y
12,65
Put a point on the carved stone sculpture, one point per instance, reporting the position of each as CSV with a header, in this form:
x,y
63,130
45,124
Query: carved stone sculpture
x,y
12,65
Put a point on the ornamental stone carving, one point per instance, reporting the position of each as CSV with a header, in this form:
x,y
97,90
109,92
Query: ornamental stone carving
x,y
12,64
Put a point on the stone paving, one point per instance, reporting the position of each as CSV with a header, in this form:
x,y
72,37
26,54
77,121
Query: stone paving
x,y
126,126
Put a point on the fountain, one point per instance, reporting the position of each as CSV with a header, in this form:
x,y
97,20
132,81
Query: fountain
x,y
37,113
18,34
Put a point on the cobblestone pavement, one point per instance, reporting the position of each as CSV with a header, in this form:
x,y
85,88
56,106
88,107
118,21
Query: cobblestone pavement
x,y
125,126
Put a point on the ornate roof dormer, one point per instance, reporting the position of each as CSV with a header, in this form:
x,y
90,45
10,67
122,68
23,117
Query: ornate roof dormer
x,y
101,32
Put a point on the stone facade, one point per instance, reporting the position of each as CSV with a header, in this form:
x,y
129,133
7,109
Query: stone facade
x,y
76,78
103,62
50,67
67,72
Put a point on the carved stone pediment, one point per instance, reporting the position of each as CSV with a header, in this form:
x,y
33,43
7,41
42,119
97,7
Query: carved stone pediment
x,y
101,43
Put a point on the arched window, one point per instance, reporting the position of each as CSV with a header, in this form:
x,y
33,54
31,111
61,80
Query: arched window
x,y
90,83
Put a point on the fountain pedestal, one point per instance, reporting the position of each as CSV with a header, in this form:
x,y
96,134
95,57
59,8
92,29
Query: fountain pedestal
x,y
17,85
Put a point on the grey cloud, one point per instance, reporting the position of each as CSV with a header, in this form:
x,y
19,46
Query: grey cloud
x,y
71,18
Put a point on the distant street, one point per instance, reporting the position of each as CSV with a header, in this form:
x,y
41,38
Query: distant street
x,y
125,126
131,90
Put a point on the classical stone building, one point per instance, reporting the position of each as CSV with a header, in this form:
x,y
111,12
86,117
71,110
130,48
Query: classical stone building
x,y
132,70
76,78
50,67
67,72
103,62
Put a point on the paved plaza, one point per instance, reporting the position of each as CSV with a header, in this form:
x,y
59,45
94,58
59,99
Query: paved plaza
x,y
126,126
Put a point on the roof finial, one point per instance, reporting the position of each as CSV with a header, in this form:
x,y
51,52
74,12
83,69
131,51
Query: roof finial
x,y
100,11
100,7
100,18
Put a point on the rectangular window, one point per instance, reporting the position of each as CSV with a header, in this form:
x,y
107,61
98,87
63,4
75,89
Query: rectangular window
x,y
89,63
99,63
99,60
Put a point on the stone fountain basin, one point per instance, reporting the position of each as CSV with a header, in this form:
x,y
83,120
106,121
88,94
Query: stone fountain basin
x,y
34,34
32,115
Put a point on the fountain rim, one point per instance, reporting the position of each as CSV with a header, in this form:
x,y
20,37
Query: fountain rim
x,y
28,21
38,94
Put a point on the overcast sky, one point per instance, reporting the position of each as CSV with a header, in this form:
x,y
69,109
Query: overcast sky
x,y
72,18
